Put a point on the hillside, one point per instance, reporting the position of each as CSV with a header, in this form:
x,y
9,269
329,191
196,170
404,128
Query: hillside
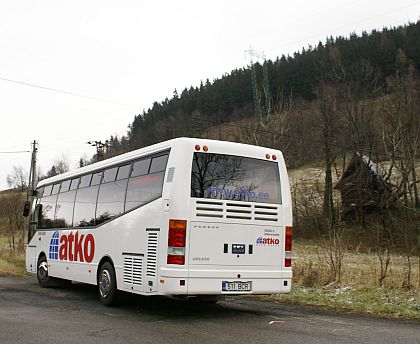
x,y
349,70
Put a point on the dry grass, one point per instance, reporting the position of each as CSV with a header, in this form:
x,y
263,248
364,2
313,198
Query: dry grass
x,y
359,268
359,291
12,264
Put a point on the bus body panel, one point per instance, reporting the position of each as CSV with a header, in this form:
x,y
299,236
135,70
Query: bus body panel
x,y
137,242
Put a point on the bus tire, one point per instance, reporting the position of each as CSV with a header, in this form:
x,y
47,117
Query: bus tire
x,y
107,284
44,279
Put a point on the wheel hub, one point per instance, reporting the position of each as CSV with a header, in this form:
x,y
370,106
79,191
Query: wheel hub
x,y
43,270
105,283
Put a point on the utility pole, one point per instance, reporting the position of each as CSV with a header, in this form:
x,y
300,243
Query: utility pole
x,y
32,174
100,148
30,193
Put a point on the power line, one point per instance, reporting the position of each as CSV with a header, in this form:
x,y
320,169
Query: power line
x,y
14,152
67,92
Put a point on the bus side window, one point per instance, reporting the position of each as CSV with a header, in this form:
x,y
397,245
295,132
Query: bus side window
x,y
46,216
123,171
109,175
158,164
143,189
96,179
84,207
110,200
74,184
140,168
65,186
64,209
85,181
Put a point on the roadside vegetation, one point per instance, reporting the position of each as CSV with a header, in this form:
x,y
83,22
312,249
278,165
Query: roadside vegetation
x,y
12,264
352,266
358,291
12,233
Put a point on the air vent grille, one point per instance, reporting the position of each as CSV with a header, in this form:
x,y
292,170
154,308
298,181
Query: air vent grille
x,y
133,270
152,249
235,210
170,175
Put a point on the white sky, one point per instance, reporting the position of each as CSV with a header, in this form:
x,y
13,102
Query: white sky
x,y
135,52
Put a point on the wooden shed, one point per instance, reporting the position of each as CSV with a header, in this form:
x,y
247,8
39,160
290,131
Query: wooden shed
x,y
364,187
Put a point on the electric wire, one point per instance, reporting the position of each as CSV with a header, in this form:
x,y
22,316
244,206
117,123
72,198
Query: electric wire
x,y
67,92
14,152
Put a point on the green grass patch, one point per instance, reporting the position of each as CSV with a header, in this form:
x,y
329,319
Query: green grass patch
x,y
388,303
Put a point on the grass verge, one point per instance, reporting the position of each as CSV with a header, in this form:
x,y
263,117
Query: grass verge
x,y
382,302
12,264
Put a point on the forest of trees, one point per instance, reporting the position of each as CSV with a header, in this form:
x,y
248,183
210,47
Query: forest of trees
x,y
347,69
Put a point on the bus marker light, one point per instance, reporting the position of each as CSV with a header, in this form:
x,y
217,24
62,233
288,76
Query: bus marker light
x,y
288,247
177,232
176,242
162,281
274,157
176,259
205,148
288,239
182,224
182,283
197,147
267,156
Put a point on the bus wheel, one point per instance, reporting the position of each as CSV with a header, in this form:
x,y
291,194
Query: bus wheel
x,y
107,284
44,279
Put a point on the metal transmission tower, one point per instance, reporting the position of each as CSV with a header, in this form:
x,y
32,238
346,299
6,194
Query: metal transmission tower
x,y
265,84
100,148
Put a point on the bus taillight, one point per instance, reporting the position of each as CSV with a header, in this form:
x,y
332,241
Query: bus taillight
x,y
288,247
176,242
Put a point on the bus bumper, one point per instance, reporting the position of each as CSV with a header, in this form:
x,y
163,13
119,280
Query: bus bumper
x,y
202,282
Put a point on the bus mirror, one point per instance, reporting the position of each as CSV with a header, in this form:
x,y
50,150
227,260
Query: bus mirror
x,y
26,209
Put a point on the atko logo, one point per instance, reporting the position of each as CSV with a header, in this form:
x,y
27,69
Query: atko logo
x,y
268,241
72,247
53,253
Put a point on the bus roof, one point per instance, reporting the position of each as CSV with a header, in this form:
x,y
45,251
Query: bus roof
x,y
135,154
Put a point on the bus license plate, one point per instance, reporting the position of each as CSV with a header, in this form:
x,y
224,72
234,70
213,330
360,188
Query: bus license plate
x,y
236,286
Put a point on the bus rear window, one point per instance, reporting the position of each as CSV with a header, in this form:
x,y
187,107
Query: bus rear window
x,y
228,177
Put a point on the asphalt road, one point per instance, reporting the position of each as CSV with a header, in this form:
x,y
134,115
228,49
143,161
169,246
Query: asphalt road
x,y
31,314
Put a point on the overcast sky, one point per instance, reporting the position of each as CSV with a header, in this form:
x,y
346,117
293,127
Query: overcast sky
x,y
132,53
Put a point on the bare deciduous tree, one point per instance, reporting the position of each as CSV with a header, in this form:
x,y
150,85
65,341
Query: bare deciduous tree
x,y
400,127
11,205
18,178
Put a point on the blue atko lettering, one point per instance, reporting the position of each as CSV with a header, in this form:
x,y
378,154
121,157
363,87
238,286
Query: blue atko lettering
x,y
238,193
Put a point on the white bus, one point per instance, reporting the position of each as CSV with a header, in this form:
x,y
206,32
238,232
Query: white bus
x,y
185,217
